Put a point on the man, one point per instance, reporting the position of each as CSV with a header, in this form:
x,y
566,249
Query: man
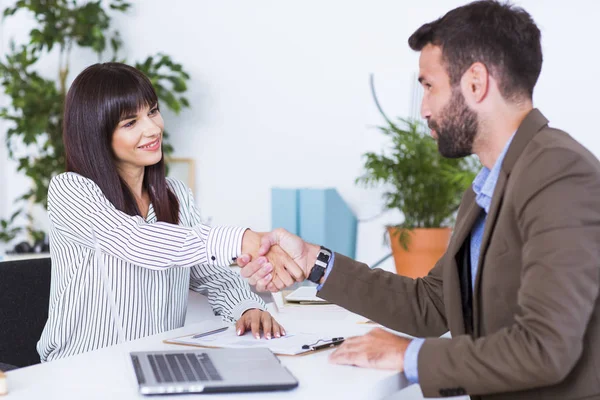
x,y
518,287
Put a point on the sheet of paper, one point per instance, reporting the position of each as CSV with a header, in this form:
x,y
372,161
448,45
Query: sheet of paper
x,y
306,311
305,294
290,344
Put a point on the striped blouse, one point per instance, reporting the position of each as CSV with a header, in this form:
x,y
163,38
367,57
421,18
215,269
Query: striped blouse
x,y
150,266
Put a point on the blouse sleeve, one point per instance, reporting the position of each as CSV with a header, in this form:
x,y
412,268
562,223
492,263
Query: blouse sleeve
x,y
78,209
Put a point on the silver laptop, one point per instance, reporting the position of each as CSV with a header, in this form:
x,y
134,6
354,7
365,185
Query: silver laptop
x,y
210,371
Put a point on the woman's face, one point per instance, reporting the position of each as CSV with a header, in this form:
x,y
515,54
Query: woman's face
x,y
137,141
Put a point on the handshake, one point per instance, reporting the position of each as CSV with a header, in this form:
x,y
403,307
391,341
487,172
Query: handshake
x,y
282,259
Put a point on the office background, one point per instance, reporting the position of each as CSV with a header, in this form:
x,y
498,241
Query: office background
x,y
280,92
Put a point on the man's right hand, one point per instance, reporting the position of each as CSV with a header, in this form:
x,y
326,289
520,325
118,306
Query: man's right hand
x,y
258,271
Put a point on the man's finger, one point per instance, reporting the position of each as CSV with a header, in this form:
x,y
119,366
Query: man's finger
x,y
341,356
285,277
295,270
289,264
352,340
272,288
336,355
278,282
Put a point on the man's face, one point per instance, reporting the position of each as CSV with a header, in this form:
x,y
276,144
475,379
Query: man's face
x,y
453,124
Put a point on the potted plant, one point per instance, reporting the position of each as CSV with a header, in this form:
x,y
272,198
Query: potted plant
x,y
424,186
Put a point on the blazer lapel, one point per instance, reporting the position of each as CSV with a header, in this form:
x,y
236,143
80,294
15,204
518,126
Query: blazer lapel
x,y
533,123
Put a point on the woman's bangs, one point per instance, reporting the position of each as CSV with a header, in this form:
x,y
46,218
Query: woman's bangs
x,y
133,95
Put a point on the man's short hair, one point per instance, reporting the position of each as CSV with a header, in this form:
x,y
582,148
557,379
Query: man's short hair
x,y
503,37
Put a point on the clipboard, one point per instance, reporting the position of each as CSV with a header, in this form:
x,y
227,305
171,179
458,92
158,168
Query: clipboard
x,y
292,344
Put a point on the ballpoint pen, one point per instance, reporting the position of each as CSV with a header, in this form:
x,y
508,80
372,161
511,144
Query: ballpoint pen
x,y
221,329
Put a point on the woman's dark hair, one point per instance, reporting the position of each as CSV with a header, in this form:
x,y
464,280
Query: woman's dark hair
x,y
503,37
96,102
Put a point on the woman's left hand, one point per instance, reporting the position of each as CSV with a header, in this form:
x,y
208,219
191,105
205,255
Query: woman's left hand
x,y
255,320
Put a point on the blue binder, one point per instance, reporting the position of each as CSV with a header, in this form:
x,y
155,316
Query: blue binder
x,y
284,210
318,216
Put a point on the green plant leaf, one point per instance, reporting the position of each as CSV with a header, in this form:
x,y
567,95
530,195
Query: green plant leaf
x,y
35,111
424,186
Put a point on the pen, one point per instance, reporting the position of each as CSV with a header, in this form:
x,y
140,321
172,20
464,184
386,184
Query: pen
x,y
221,329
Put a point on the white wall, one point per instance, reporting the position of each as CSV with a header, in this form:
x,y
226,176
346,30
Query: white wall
x,y
280,93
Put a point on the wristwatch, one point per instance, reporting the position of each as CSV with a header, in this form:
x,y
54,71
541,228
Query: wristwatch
x,y
318,270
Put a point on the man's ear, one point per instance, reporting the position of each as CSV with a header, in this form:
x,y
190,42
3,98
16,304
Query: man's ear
x,y
476,82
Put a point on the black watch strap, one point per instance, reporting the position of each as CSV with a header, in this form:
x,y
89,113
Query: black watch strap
x,y
318,270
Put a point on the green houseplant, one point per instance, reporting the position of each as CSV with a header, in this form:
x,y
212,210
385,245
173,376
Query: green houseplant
x,y
34,115
424,186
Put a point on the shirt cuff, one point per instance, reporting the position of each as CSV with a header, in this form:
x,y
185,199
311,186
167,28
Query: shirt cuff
x,y
327,270
411,358
244,306
223,243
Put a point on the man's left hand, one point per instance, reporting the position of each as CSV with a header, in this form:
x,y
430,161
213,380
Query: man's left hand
x,y
377,349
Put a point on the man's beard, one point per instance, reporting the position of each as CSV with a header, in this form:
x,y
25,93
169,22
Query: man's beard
x,y
457,127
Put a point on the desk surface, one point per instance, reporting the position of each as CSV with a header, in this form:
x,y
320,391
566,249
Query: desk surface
x,y
25,256
107,373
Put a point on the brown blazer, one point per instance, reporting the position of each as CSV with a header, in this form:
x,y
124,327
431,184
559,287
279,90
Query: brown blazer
x,y
536,304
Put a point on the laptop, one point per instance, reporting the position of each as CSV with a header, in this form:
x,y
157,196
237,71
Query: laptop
x,y
210,371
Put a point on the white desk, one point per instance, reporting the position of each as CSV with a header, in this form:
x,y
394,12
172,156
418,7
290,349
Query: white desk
x,y
107,373
25,256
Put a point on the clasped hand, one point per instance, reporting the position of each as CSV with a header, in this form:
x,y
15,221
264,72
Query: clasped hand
x,y
282,259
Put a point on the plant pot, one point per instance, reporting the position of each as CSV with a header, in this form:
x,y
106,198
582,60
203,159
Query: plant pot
x,y
426,247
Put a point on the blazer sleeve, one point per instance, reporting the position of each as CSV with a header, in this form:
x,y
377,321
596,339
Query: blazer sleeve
x,y
412,306
558,211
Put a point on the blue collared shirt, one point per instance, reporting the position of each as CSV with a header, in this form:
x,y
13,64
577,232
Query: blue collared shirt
x,y
483,186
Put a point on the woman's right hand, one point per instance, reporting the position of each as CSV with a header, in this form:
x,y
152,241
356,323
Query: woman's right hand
x,y
277,267
259,270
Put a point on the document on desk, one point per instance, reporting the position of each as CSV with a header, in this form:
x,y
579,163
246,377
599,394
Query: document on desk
x,y
305,295
291,344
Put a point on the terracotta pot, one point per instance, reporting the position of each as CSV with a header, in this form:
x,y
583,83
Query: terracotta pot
x,y
426,247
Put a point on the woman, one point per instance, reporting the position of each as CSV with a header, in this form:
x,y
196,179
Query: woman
x,y
124,234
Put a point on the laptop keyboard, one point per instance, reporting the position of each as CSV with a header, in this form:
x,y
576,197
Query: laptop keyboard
x,y
183,367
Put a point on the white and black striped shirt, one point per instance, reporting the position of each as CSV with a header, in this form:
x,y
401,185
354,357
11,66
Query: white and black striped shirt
x,y
151,265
